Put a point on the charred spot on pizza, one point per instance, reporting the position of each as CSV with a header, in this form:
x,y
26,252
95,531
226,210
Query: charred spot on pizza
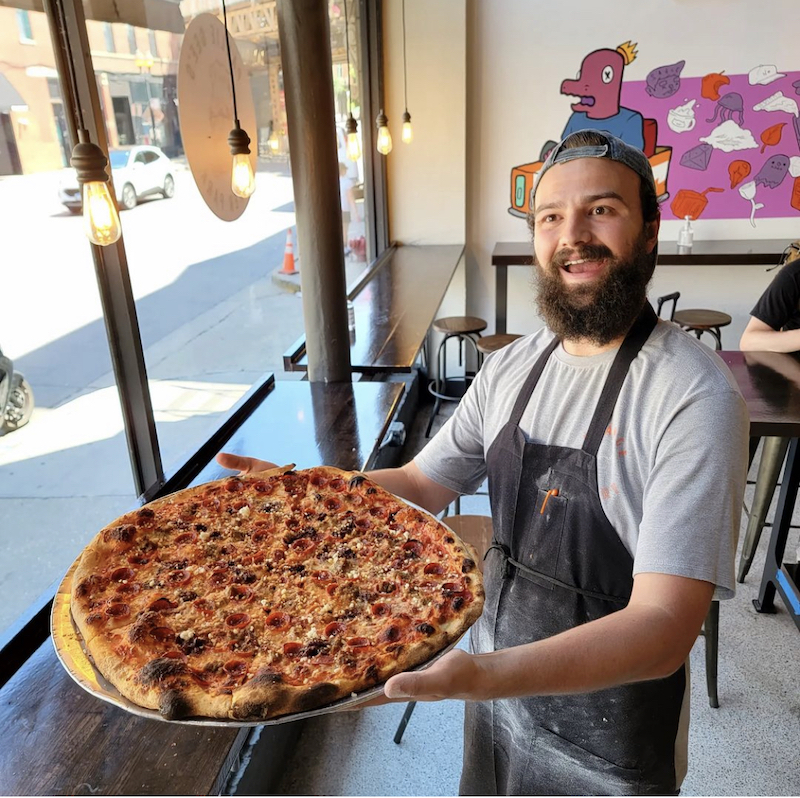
x,y
314,649
467,565
425,628
144,516
387,587
251,710
187,595
122,534
142,626
92,584
266,676
316,696
371,674
390,635
356,480
159,669
172,705
194,645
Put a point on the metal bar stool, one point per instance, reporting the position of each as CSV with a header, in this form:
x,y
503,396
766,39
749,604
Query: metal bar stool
x,y
491,343
696,320
463,328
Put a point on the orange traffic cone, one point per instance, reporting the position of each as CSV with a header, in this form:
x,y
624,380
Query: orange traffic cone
x,y
288,255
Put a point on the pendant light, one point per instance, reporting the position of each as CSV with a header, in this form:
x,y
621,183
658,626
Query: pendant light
x,y
407,134
100,216
351,126
384,143
243,181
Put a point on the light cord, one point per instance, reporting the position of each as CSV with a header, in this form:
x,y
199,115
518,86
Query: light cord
x,y
405,73
230,63
347,58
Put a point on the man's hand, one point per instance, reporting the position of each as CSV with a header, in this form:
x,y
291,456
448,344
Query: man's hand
x,y
456,675
244,465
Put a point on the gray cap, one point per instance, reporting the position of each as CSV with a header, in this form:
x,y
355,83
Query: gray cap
x,y
614,149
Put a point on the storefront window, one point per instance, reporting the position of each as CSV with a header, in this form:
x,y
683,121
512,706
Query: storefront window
x,y
215,305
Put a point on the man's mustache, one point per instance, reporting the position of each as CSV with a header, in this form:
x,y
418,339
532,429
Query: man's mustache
x,y
586,252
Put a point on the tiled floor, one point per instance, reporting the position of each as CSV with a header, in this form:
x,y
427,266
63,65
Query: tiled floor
x,y
746,747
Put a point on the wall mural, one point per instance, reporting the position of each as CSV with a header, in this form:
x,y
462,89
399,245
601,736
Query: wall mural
x,y
722,146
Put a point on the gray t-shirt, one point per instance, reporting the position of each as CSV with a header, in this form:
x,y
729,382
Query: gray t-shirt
x,y
671,467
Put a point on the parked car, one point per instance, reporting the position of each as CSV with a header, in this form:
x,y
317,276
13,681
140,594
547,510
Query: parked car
x,y
137,171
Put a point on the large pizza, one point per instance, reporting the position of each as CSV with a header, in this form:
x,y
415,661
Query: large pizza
x,y
268,594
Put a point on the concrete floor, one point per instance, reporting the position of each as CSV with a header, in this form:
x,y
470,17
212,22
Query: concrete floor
x,y
748,746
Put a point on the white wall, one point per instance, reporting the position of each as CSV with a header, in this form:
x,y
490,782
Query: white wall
x,y
427,179
519,52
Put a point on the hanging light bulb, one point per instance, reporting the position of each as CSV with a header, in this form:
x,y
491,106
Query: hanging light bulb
x,y
384,136
243,181
353,144
100,216
407,135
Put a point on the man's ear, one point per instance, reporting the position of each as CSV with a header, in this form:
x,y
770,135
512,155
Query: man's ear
x,y
651,232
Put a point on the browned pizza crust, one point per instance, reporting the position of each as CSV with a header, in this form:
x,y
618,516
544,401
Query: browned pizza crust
x,y
269,594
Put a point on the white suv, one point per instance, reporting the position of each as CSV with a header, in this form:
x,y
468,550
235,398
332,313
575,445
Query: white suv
x,y
137,171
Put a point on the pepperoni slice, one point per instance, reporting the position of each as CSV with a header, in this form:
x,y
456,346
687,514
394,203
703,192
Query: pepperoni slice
x,y
433,568
161,604
359,642
334,628
363,523
129,589
292,649
338,485
318,481
380,609
238,620
235,667
241,593
118,610
332,503
331,589
122,574
278,621
138,559
220,577
234,485
302,544
186,537
452,589
178,577
322,576
162,634
204,605
413,548
262,486
261,534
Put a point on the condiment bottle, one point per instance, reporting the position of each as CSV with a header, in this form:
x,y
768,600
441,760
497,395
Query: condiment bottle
x,y
686,236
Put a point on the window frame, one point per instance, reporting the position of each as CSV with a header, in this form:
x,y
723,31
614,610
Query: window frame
x,y
24,27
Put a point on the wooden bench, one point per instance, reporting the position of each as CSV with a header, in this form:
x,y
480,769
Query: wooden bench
x,y
59,739
394,305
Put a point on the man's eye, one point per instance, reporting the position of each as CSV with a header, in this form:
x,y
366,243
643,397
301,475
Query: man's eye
x,y
600,210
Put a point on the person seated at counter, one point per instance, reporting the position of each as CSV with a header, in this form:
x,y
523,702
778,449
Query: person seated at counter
x,y
576,681
774,324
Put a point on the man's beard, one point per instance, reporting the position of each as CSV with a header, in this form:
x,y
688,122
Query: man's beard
x,y
602,311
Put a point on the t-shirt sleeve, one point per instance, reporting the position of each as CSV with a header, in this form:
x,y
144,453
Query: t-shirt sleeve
x,y
692,504
454,457
779,303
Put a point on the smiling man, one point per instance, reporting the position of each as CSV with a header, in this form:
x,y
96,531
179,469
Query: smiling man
x,y
616,448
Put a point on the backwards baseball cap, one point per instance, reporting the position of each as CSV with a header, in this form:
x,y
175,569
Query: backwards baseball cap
x,y
614,149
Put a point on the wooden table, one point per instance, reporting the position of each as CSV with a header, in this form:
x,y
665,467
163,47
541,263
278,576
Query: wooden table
x,y
59,739
770,384
394,310
765,252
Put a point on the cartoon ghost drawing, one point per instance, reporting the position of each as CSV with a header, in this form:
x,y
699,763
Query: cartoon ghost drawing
x,y
598,88
664,81
773,171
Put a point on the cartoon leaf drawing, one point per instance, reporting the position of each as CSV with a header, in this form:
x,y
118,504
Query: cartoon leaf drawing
x,y
738,171
709,87
772,136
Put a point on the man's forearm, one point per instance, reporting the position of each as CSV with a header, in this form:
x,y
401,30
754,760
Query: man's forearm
x,y
411,484
770,341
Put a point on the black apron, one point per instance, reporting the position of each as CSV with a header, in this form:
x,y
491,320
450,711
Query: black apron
x,y
557,562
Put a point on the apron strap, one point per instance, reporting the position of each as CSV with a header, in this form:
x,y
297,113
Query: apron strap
x,y
634,341
530,383
509,563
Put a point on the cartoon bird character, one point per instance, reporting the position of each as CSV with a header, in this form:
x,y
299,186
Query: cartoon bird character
x,y
598,88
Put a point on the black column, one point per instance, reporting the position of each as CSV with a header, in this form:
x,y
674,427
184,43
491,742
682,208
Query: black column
x,y
308,85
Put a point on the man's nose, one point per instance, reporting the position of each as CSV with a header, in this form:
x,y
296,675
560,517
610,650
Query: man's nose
x,y
575,231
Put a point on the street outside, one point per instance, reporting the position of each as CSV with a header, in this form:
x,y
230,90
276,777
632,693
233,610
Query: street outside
x,y
212,323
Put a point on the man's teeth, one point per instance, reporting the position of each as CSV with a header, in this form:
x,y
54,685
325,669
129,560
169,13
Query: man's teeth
x,y
575,262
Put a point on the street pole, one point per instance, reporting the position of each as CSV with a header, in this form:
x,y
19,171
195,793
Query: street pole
x,y
146,62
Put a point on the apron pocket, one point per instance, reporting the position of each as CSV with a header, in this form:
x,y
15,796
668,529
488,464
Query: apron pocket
x,y
560,767
537,540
